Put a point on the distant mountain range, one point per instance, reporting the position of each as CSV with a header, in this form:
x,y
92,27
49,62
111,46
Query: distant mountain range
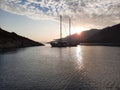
x,y
106,36
12,40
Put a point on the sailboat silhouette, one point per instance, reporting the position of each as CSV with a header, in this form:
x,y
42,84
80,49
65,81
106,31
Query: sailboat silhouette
x,y
62,42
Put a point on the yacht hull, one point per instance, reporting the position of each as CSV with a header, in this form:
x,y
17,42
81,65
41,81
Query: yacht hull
x,y
62,44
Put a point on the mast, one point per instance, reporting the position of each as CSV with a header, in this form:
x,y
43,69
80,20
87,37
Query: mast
x,y
69,30
60,26
69,26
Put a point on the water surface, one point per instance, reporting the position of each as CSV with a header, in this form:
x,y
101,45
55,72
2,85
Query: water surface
x,y
75,68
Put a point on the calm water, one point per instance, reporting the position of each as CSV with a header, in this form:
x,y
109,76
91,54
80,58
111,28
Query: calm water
x,y
46,68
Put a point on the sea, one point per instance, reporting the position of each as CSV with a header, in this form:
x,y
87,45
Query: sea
x,y
70,68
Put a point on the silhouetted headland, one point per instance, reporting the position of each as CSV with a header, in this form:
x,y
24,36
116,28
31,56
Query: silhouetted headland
x,y
10,40
109,36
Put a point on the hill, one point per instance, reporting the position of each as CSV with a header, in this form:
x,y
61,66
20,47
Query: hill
x,y
105,36
12,40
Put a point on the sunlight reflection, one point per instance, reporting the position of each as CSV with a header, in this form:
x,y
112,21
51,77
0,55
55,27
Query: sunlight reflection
x,y
79,57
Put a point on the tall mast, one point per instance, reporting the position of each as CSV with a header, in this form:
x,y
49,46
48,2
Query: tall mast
x,y
69,30
60,26
69,26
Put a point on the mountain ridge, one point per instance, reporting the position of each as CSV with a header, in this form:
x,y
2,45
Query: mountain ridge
x,y
10,40
106,36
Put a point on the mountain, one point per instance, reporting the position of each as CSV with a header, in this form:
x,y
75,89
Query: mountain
x,y
105,36
12,40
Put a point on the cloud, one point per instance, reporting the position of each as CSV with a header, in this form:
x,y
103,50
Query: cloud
x,y
99,13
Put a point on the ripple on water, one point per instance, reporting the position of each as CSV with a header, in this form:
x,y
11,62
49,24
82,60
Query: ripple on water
x,y
76,68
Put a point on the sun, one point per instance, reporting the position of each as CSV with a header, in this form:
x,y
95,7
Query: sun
x,y
74,30
77,30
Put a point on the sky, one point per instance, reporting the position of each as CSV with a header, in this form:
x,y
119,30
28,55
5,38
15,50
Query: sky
x,y
39,19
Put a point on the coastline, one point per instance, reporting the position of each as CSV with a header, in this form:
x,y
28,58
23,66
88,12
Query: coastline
x,y
11,40
101,44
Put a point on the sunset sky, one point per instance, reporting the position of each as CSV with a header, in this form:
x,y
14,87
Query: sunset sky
x,y
39,19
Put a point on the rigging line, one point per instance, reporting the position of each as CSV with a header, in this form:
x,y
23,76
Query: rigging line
x,y
65,29
72,26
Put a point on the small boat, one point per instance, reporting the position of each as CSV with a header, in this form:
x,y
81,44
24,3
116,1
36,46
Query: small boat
x,y
62,42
